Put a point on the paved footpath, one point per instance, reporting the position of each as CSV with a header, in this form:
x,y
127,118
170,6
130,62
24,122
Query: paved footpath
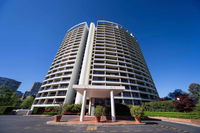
x,y
37,124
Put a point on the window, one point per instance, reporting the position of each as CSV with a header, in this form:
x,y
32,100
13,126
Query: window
x,y
126,94
135,94
124,80
98,78
63,85
61,93
128,101
126,87
132,81
133,88
98,61
123,74
123,69
137,102
98,72
95,66
112,79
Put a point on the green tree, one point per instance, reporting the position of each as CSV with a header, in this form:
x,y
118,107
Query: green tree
x,y
197,108
28,102
15,100
194,90
8,97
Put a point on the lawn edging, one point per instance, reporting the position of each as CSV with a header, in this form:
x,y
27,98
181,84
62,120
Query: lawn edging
x,y
194,122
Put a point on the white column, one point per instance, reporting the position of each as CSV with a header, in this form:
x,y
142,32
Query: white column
x,y
112,106
32,108
78,99
90,105
83,105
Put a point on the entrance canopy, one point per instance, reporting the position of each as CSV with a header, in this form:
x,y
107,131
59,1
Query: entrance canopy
x,y
92,91
98,91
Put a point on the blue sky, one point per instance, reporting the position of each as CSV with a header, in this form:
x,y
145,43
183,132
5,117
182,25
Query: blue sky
x,y
168,32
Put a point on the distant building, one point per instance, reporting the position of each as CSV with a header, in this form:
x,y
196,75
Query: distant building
x,y
19,93
11,83
34,89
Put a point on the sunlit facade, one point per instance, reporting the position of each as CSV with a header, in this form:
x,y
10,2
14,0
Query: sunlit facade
x,y
105,55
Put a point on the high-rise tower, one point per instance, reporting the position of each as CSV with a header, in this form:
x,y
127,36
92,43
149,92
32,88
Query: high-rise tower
x,y
105,55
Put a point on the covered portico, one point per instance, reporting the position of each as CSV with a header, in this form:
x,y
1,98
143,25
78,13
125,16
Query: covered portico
x,y
92,91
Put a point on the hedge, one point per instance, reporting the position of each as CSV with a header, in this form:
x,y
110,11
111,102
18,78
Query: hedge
x,y
6,110
67,109
50,113
159,106
190,115
72,108
38,110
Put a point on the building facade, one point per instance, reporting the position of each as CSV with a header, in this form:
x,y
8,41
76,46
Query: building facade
x,y
105,55
11,83
34,90
19,93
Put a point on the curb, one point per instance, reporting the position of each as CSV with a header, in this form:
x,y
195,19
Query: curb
x,y
182,123
177,120
38,115
96,124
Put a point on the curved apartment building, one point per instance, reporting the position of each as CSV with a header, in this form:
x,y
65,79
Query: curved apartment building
x,y
105,55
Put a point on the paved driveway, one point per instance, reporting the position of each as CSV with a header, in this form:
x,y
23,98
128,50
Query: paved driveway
x,y
37,124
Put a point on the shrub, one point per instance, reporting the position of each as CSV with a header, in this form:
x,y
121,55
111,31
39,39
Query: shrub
x,y
48,109
68,108
38,110
6,109
184,104
62,109
137,111
99,111
50,113
76,108
59,109
73,108
159,106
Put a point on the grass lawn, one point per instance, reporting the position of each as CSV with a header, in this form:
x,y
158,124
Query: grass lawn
x,y
191,115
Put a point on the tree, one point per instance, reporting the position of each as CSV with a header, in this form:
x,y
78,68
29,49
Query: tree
x,y
15,100
194,90
8,97
184,104
197,108
176,93
28,102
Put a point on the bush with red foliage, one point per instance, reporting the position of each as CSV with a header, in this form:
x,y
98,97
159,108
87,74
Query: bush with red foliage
x,y
184,104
